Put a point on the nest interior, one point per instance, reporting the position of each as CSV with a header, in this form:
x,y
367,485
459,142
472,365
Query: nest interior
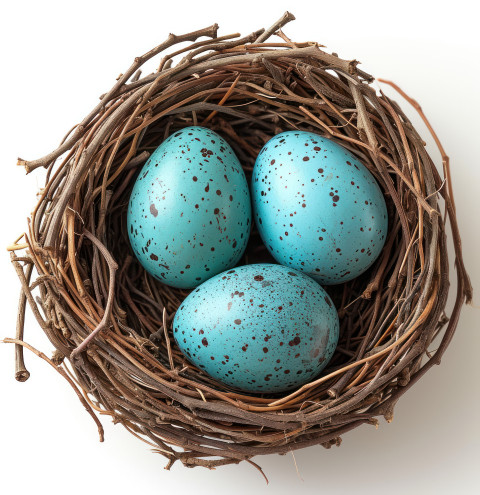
x,y
110,321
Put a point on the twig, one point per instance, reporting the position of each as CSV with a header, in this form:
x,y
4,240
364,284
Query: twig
x,y
21,372
62,372
287,17
223,100
167,339
112,265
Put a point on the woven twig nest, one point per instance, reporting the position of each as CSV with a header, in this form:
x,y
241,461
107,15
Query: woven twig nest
x,y
111,321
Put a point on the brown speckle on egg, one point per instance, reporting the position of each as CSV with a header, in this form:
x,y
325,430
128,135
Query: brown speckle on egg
x,y
153,210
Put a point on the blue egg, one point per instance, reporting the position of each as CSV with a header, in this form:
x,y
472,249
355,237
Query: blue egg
x,y
317,207
189,211
258,328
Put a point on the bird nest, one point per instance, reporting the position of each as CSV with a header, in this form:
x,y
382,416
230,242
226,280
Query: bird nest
x,y
111,322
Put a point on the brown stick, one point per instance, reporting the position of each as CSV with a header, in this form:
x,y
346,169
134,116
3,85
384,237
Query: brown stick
x,y
21,372
287,17
62,372
113,267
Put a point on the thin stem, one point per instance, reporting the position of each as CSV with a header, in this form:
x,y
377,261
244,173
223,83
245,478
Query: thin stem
x,y
113,267
21,372
62,372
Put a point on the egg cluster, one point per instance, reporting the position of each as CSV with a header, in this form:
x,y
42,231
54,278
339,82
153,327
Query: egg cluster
x,y
260,328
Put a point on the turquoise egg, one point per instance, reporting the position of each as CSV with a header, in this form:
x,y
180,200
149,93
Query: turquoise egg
x,y
317,207
258,328
189,211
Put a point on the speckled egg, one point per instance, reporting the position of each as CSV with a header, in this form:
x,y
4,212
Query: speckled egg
x,y
317,207
189,213
258,328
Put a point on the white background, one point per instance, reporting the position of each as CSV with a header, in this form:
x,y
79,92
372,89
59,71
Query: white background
x,y
56,59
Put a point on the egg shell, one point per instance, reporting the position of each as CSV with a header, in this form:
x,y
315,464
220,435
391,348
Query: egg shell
x,y
258,328
189,213
317,207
